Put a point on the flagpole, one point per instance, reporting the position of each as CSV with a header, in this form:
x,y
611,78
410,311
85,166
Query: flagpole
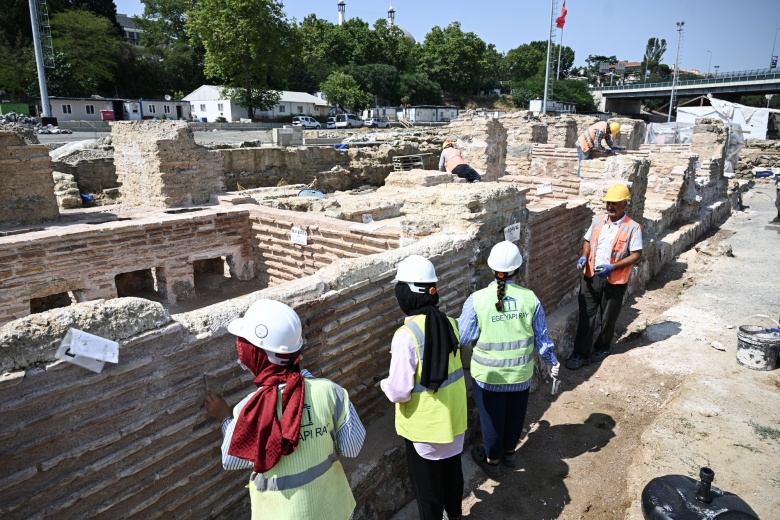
x,y
560,48
547,69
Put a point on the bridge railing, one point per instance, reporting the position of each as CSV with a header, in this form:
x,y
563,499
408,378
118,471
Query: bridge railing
x,y
722,77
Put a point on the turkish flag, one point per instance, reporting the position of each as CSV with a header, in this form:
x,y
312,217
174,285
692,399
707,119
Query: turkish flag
x,y
561,20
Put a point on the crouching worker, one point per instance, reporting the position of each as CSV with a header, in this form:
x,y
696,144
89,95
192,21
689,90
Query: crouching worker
x,y
452,161
426,383
292,429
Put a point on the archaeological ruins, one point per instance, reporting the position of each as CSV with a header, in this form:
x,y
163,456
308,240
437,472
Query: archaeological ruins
x,y
185,237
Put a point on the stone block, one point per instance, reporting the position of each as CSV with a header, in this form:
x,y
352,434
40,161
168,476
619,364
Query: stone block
x,y
26,182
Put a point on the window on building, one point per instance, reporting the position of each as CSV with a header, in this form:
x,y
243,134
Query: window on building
x,y
152,109
203,108
219,107
66,109
300,109
281,109
167,109
90,109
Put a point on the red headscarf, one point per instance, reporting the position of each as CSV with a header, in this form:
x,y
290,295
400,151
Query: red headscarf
x,y
259,436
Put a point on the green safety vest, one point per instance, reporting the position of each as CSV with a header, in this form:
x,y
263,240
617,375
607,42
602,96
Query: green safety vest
x,y
310,482
427,416
504,353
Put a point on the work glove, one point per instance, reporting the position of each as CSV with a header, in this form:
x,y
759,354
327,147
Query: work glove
x,y
554,370
581,262
603,270
610,152
618,148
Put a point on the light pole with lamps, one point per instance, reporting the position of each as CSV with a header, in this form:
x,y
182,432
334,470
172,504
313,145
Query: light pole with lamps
x,y
676,69
772,57
716,70
709,63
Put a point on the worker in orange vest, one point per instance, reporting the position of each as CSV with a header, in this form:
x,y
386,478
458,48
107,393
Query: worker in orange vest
x,y
591,138
613,244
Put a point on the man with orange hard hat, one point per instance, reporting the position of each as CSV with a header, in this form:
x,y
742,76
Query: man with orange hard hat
x,y
592,137
613,244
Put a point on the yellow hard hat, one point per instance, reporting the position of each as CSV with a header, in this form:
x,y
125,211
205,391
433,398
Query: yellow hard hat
x,y
617,193
447,144
614,128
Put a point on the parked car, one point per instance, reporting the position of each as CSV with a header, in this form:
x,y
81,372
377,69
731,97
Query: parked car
x,y
331,123
376,122
348,121
306,122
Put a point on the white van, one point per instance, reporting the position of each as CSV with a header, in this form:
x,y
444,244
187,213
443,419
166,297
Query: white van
x,y
348,121
305,122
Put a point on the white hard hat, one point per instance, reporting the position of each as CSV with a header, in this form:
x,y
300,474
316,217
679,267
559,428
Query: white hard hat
x,y
416,269
505,257
271,326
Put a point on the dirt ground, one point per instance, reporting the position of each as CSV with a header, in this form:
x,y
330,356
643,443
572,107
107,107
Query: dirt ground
x,y
670,399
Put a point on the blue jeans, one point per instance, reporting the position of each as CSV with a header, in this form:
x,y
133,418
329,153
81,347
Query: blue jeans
x,y
581,156
501,416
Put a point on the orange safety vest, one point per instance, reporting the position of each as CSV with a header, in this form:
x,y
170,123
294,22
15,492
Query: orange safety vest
x,y
587,139
619,249
452,158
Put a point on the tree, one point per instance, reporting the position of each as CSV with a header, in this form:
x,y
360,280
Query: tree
x,y
378,79
593,62
342,90
526,61
164,21
453,59
249,45
418,89
653,53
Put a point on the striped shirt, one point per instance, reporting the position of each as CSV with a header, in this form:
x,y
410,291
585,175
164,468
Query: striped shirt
x,y
469,333
598,135
349,437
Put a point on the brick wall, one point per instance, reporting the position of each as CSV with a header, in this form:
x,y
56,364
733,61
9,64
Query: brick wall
x,y
85,258
553,245
26,184
278,260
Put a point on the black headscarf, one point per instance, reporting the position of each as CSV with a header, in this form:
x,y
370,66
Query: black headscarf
x,y
440,339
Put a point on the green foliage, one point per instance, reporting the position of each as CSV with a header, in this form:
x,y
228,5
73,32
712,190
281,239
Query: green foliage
x,y
593,62
530,59
574,91
418,89
342,90
654,52
63,80
453,59
377,79
17,67
248,43
164,21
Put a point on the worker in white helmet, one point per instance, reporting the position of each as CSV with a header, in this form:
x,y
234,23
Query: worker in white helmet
x,y
505,323
285,430
426,383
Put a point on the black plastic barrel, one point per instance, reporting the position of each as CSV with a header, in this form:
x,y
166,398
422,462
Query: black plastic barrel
x,y
757,347
677,497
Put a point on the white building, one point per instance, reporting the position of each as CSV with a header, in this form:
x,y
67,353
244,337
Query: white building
x,y
208,103
429,114
137,109
81,109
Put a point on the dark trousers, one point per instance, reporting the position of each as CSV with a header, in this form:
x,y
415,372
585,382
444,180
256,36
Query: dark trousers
x,y
437,484
597,298
501,417
464,171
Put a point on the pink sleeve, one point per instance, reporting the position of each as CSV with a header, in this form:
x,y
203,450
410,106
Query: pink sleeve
x,y
400,382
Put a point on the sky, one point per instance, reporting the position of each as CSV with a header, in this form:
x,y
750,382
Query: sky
x,y
738,35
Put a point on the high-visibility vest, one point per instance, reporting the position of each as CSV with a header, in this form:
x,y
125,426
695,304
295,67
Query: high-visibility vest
x,y
310,482
452,158
435,417
504,353
619,249
587,139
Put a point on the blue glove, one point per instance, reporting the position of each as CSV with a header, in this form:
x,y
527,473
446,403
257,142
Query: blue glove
x,y
618,148
610,152
603,270
581,262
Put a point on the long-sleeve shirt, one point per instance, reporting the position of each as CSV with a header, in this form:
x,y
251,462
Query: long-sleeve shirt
x,y
398,389
468,324
598,136
349,437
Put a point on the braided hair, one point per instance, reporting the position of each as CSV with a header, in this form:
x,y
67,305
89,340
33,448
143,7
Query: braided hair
x,y
501,279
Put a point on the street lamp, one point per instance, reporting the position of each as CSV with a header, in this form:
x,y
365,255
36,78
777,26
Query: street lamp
x,y
708,64
716,70
676,69
772,57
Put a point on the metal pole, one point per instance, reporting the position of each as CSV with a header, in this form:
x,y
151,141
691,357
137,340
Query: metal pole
x,y
773,48
676,69
708,64
560,48
39,60
547,69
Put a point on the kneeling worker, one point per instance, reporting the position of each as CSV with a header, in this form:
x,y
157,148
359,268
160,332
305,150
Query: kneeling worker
x,y
452,161
426,383
285,430
592,137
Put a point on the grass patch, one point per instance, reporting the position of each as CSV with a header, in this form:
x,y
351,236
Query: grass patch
x,y
765,432
749,447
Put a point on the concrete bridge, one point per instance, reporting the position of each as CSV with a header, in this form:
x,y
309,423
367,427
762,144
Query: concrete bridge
x,y
731,86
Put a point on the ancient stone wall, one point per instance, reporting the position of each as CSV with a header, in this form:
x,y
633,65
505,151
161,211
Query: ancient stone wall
x,y
523,130
583,122
91,175
482,142
561,131
709,140
758,154
159,165
85,259
599,174
632,133
26,184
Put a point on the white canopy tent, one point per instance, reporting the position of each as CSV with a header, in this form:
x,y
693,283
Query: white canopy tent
x,y
753,121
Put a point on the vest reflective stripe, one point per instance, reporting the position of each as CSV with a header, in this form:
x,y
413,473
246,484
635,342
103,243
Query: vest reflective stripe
x,y
504,351
452,159
428,416
620,249
587,139
293,481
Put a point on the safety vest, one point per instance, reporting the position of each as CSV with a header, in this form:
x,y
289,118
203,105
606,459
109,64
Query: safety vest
x,y
504,353
452,158
310,482
435,417
619,249
587,139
